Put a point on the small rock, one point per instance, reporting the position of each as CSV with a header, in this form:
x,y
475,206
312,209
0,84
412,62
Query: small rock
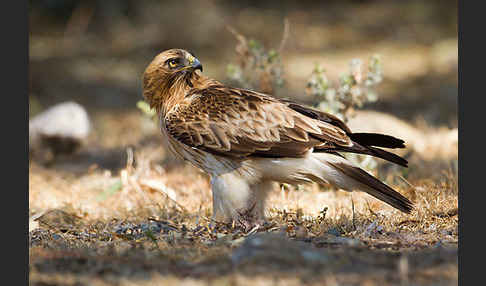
x,y
373,229
61,129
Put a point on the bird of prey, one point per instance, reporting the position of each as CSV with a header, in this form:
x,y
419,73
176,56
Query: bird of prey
x,y
245,140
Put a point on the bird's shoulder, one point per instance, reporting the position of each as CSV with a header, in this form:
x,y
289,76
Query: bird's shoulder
x,y
236,122
218,102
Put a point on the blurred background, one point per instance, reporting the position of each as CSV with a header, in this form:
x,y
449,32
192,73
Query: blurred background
x,y
94,53
103,193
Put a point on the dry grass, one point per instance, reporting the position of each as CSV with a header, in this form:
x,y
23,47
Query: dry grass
x,y
148,222
121,212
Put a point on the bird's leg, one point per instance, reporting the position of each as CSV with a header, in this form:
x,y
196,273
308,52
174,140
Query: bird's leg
x,y
231,194
261,190
247,218
234,199
219,213
253,214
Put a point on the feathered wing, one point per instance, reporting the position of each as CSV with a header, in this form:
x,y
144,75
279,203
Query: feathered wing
x,y
239,123
363,143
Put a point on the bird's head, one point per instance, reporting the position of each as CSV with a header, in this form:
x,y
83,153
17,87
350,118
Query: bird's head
x,y
170,72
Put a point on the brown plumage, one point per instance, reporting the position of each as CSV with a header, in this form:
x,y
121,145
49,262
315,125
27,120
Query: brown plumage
x,y
245,139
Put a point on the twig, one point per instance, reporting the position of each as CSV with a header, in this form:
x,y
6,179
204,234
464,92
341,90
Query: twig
x,y
352,208
166,223
163,190
38,215
407,182
408,221
129,165
449,213
369,208
242,47
253,230
285,35
79,20
136,186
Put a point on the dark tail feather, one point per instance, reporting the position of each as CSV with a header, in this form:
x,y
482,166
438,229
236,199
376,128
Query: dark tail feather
x,y
366,150
375,187
378,140
387,156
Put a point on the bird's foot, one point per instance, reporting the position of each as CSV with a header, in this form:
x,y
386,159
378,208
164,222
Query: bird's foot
x,y
248,220
243,224
249,225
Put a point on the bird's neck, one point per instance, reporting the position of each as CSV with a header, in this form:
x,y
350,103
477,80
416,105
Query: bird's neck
x,y
202,82
178,92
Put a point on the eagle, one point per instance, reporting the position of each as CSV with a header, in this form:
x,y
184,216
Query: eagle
x,y
246,140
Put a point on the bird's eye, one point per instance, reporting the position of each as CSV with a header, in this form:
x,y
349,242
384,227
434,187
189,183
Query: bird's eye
x,y
172,63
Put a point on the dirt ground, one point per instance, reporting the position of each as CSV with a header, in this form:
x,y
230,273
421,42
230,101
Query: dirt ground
x,y
121,211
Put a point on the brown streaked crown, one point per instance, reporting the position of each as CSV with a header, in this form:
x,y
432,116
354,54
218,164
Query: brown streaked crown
x,y
170,73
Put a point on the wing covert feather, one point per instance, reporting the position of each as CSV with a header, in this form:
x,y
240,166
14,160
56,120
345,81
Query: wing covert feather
x,y
238,123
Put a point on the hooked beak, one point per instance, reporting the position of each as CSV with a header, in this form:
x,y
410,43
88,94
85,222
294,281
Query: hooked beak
x,y
194,63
